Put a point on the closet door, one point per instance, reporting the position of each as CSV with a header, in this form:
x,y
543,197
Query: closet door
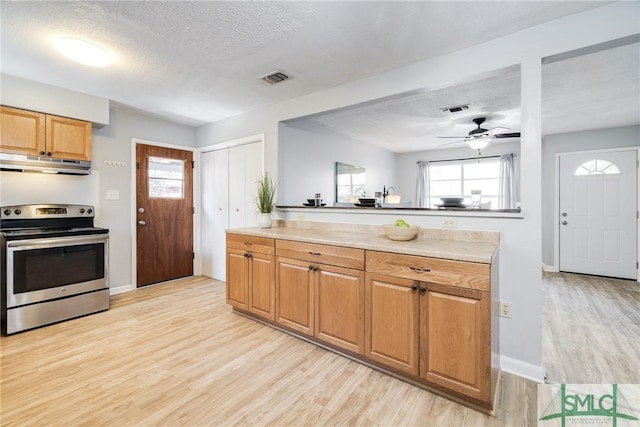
x,y
237,196
220,212
252,173
208,211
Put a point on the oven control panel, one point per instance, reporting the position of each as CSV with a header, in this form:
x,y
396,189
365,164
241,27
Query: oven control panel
x,y
46,211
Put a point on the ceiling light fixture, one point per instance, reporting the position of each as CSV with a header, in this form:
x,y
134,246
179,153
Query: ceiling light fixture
x,y
479,143
83,52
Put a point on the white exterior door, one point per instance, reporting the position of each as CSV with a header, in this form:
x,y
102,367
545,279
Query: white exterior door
x,y
598,204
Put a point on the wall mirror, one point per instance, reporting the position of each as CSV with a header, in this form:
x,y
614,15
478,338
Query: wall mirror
x,y
351,183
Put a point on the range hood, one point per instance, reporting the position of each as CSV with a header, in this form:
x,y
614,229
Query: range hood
x,y
23,163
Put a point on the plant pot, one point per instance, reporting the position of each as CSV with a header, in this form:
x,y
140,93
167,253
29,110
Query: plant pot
x,y
265,220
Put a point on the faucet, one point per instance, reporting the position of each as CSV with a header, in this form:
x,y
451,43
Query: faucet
x,y
386,191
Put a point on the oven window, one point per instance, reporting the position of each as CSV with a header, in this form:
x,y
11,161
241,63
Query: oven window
x,y
37,269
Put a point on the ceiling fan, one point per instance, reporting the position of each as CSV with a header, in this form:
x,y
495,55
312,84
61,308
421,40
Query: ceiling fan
x,y
479,138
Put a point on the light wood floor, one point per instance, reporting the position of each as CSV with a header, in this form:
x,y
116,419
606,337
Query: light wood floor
x,y
174,354
591,330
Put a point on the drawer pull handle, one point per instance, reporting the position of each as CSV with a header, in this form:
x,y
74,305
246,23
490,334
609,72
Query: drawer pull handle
x,y
248,243
420,269
315,253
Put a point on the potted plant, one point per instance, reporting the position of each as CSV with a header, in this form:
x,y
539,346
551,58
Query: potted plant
x,y
266,200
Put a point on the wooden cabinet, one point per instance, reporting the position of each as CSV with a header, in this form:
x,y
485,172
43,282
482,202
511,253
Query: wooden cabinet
x,y
339,316
430,321
456,339
251,274
37,134
427,317
322,299
295,290
392,322
23,132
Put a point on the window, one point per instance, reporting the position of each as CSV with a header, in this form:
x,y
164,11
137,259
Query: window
x,y
166,178
459,178
597,167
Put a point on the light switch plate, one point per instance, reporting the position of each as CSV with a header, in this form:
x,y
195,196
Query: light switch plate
x,y
113,195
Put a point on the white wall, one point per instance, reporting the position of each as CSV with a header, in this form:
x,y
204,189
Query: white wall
x,y
564,143
307,157
113,142
521,247
29,95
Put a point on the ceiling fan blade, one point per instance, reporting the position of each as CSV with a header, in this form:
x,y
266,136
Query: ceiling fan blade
x,y
452,142
459,137
500,127
507,135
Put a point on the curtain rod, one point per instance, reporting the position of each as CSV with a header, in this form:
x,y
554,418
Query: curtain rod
x,y
459,160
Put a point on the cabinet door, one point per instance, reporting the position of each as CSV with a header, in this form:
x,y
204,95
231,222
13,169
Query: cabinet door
x,y
68,138
22,132
295,299
237,279
340,307
262,285
456,340
391,322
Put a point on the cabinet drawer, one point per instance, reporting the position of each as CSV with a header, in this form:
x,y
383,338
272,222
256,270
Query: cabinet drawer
x,y
323,254
263,245
446,272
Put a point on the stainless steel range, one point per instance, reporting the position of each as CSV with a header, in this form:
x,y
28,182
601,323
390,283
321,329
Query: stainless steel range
x,y
54,265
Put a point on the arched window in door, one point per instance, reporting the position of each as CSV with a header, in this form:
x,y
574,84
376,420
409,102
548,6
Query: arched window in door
x,y
597,167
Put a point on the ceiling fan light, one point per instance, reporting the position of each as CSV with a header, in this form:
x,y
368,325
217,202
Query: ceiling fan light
x,y
83,52
478,143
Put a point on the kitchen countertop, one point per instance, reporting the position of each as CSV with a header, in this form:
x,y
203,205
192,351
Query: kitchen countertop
x,y
460,245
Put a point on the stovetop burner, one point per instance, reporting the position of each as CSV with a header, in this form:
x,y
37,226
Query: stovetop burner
x,y
35,221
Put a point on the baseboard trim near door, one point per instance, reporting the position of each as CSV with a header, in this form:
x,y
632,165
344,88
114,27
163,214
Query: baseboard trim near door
x,y
121,289
522,369
550,268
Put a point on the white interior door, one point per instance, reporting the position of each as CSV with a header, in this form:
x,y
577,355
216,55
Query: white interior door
x,y
208,212
220,213
598,204
252,173
237,195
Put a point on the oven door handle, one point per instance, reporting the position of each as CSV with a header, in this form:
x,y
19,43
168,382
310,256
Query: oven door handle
x,y
20,245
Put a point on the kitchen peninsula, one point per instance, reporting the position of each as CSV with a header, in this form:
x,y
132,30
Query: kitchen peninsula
x,y
422,310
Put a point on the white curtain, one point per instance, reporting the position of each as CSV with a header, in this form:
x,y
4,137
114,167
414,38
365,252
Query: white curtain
x,y
507,195
422,185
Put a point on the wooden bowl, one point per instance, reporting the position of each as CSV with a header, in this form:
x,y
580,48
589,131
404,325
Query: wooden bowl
x,y
400,233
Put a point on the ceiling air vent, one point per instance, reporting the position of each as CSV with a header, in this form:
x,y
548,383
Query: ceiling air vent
x,y
275,77
455,109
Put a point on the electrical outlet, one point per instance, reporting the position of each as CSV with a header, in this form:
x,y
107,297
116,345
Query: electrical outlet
x,y
505,310
449,223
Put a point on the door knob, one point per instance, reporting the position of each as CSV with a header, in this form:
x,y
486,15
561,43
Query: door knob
x,y
141,222
564,214
141,210
564,222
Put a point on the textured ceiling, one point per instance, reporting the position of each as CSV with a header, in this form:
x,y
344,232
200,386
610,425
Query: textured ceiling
x,y
592,91
199,62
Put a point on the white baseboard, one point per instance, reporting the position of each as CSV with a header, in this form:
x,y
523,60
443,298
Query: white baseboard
x,y
522,369
550,268
121,289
